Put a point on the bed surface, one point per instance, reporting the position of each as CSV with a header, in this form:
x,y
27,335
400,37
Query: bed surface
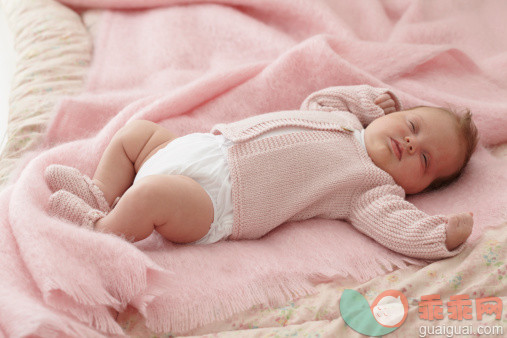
x,y
54,44
478,272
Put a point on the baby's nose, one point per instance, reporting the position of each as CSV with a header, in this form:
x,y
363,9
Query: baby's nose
x,y
410,144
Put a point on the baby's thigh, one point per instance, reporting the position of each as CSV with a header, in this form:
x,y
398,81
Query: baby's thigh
x,y
178,207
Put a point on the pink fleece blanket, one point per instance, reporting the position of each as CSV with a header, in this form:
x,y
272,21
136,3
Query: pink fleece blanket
x,y
190,64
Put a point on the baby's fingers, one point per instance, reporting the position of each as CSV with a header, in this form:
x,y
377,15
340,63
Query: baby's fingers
x,y
465,218
385,102
381,98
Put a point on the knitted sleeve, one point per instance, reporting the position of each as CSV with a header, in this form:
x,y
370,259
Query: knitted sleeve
x,y
384,215
358,100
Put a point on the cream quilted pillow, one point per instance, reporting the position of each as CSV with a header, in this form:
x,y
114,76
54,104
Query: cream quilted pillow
x,y
53,49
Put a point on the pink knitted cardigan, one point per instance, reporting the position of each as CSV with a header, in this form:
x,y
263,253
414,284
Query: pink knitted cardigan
x,y
324,172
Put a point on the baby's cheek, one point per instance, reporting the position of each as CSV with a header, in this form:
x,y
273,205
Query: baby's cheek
x,y
407,180
389,164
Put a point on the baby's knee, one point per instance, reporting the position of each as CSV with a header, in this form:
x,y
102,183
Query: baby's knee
x,y
137,126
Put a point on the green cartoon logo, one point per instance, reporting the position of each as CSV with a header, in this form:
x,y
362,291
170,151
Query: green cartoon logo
x,y
386,314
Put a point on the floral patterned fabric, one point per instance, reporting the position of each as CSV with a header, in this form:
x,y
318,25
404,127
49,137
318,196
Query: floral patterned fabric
x,y
479,271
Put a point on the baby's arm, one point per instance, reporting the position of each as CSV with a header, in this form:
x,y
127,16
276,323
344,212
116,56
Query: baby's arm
x,y
366,102
384,215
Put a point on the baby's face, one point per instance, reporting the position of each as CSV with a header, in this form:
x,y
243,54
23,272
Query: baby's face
x,y
415,146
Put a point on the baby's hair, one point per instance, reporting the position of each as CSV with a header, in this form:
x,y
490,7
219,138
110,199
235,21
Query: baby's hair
x,y
466,128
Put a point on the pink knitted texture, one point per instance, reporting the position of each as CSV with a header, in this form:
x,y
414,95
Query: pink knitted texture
x,y
189,65
356,99
71,179
65,205
324,172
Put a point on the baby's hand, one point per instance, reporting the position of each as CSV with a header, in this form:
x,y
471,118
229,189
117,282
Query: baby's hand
x,y
386,102
459,227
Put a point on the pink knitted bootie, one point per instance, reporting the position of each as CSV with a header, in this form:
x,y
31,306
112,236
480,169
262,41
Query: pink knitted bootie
x,y
60,177
68,206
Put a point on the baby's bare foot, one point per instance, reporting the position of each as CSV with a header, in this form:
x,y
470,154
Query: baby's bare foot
x,y
459,227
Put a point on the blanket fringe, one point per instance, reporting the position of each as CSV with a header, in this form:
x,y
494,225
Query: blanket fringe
x,y
53,326
179,315
90,304
59,293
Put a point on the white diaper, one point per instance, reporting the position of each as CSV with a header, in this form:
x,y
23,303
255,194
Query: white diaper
x,y
203,157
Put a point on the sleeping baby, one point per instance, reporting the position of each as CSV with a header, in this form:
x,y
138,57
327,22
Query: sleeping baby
x,y
349,153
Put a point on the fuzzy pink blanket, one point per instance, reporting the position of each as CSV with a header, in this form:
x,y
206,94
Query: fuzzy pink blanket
x,y
190,64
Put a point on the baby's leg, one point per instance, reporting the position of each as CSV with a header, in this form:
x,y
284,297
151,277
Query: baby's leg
x,y
129,148
174,205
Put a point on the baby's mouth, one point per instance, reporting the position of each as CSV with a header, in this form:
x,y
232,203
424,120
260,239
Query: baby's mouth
x,y
397,150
